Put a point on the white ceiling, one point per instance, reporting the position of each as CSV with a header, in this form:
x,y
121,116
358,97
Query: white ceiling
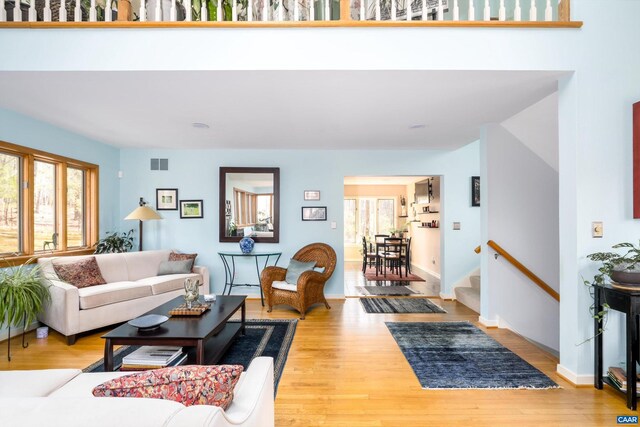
x,y
382,180
276,109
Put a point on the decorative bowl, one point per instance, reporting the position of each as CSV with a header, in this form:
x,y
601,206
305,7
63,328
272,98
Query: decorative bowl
x,y
148,322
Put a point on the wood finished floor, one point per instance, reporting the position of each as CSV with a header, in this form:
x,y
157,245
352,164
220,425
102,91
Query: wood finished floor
x,y
345,369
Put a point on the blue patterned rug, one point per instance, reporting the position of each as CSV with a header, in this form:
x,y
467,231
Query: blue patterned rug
x,y
457,355
263,338
400,305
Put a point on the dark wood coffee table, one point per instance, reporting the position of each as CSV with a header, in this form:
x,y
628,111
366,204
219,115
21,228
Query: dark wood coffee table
x,y
209,332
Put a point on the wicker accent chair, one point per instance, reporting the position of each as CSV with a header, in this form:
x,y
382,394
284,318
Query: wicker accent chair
x,y
310,286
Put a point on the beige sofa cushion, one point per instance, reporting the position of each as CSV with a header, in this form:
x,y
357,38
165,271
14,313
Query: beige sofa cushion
x,y
96,296
168,283
113,267
82,385
144,264
39,383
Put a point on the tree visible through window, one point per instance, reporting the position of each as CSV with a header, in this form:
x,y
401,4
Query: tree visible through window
x,y
367,216
44,203
9,204
75,208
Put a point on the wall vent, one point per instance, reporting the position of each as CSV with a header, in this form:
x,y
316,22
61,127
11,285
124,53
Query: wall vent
x,y
159,164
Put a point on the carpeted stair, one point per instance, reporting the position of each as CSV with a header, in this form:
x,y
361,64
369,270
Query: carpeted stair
x,y
470,295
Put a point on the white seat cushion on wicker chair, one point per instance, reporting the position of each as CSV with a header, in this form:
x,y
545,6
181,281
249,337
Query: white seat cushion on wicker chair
x,y
281,284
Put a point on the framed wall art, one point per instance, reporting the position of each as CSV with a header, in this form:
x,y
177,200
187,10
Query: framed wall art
x,y
311,195
167,199
314,213
475,191
191,209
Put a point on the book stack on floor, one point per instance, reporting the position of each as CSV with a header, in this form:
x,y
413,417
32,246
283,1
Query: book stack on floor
x,y
618,377
153,357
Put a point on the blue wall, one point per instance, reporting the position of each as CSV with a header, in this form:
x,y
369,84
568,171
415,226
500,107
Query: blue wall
x,y
195,174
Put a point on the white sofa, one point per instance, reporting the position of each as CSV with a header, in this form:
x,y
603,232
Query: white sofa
x,y
133,287
62,398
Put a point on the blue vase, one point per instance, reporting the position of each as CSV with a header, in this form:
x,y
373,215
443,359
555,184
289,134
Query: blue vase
x,y
246,245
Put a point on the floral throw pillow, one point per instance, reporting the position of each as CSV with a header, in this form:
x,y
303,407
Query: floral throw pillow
x,y
189,385
175,256
80,274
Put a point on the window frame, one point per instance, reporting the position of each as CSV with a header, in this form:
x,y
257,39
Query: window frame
x,y
376,200
26,224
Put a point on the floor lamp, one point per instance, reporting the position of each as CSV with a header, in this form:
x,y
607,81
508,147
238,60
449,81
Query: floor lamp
x,y
143,213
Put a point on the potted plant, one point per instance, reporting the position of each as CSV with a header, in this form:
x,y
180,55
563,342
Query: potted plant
x,y
115,243
622,268
23,295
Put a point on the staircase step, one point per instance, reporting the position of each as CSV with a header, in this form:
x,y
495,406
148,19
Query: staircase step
x,y
475,282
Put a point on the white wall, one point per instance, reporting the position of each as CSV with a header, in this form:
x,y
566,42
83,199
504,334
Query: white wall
x,y
522,217
426,250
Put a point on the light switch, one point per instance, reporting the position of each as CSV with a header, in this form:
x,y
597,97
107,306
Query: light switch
x,y
334,225
597,230
456,226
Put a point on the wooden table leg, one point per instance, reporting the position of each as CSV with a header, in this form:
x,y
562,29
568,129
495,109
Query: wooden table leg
x,y
200,352
597,341
108,355
632,356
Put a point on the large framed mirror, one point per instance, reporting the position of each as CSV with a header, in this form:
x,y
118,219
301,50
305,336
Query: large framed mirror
x,y
250,204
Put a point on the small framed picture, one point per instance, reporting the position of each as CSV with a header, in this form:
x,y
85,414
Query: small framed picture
x,y
314,213
475,191
191,209
311,195
167,199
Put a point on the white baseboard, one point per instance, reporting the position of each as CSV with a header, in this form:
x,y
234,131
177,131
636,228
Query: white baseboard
x,y
574,378
334,296
447,296
425,270
4,332
488,323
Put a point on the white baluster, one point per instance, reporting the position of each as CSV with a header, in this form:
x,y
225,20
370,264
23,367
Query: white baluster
x,y
158,11
142,13
327,10
378,12
188,13
440,11
456,11
62,12
548,12
204,15
46,12
17,13
265,10
107,11
3,12
393,10
250,10
502,12
219,11
472,11
77,12
93,13
173,12
32,11
234,11
487,10
517,12
408,17
533,12
363,9
281,11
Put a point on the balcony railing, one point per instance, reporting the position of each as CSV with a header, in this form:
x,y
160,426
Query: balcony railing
x,y
248,13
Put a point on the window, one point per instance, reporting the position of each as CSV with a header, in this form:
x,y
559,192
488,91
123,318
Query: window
x,y
367,216
48,203
252,209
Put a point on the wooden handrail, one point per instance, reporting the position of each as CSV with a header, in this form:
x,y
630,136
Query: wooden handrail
x,y
478,249
524,270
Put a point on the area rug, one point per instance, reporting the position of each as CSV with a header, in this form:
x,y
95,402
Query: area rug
x,y
385,290
370,275
263,338
399,305
457,355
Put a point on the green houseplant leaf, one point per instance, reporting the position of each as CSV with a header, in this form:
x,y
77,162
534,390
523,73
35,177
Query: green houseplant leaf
x,y
115,243
23,294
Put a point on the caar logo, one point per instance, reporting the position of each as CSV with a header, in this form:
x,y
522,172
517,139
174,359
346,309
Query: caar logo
x,y
626,419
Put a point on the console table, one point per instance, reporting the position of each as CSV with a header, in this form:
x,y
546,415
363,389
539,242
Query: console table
x,y
229,262
628,302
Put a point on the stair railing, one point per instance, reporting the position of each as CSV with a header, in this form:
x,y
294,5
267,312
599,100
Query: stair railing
x,y
524,270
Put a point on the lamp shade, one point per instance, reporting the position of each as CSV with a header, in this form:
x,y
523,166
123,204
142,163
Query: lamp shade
x,y
143,213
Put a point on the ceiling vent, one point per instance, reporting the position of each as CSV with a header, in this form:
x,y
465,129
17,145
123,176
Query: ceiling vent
x,y
159,164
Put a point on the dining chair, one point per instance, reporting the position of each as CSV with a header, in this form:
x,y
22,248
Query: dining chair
x,y
368,255
379,241
391,254
405,257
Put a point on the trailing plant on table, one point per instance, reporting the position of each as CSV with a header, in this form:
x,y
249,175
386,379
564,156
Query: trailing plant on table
x,y
610,262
